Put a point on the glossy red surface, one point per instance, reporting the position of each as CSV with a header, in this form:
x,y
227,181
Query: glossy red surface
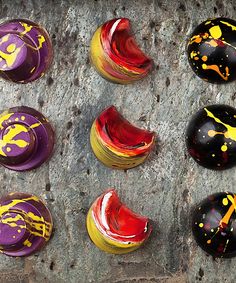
x,y
115,130
120,45
118,221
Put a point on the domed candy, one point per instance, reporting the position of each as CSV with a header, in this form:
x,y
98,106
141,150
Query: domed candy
x,y
117,143
211,137
25,51
212,50
26,138
25,224
115,54
214,224
113,227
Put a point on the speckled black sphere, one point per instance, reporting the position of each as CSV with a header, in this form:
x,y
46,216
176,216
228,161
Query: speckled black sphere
x,y
211,137
212,50
214,225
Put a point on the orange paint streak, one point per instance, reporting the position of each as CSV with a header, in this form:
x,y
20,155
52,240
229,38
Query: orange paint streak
x,y
212,133
217,70
198,38
230,211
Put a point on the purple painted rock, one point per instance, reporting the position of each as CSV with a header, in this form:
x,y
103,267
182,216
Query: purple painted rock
x,y
25,224
25,51
26,138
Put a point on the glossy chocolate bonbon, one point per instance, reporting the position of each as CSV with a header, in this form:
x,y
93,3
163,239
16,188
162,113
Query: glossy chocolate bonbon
x,y
25,224
211,137
117,143
214,224
113,227
116,55
26,138
25,51
211,50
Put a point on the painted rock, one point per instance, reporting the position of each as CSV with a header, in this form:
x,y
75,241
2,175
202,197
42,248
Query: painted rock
x,y
25,51
26,138
211,50
117,143
113,227
116,55
214,224
211,137
25,224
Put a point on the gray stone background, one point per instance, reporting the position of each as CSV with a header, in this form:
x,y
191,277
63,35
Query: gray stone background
x,y
165,188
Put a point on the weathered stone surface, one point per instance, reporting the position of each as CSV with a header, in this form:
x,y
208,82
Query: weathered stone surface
x,y
165,188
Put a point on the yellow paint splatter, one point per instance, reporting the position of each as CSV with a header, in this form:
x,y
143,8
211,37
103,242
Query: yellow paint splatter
x,y
215,32
229,134
232,208
4,117
8,138
9,58
35,125
193,54
22,118
11,48
224,148
229,25
26,27
201,225
27,243
225,201
8,149
37,224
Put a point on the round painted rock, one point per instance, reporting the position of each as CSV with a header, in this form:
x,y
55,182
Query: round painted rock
x,y
212,50
25,51
25,224
26,138
214,224
211,137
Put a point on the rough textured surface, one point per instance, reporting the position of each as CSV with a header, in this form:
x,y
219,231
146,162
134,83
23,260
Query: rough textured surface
x,y
165,188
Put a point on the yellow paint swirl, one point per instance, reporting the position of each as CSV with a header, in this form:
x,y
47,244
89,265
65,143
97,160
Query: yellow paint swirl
x,y
104,243
8,138
37,225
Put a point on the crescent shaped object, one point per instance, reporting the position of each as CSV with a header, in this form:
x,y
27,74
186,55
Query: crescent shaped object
x,y
113,227
116,55
25,224
117,143
25,51
26,138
